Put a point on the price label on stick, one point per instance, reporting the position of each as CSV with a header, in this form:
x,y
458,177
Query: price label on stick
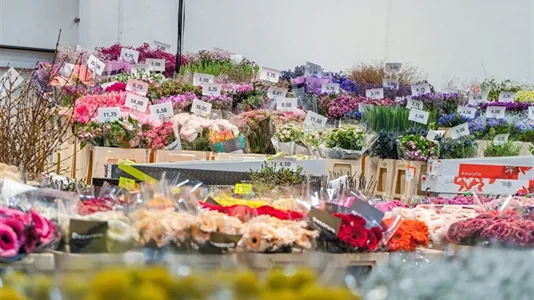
x,y
500,139
390,83
200,79
432,135
330,88
162,111
506,96
419,89
108,114
531,112
496,112
270,75
375,93
211,89
459,131
312,69
393,67
130,55
137,86
286,104
136,102
476,99
276,92
314,120
414,104
285,163
140,69
161,46
467,111
95,65
156,65
419,116
201,108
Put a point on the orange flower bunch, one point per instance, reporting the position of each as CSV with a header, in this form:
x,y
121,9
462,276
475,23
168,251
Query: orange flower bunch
x,y
220,136
409,235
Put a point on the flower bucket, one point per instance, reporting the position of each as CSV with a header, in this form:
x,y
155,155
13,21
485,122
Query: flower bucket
x,y
229,146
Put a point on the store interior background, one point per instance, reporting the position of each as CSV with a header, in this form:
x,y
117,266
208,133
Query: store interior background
x,y
467,39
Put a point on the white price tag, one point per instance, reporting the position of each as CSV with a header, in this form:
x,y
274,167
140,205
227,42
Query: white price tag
x,y
9,81
496,112
432,135
419,116
201,108
137,86
531,112
467,111
95,65
330,88
270,75
236,59
459,131
142,69
129,55
506,96
500,139
476,99
161,46
276,92
375,93
285,163
314,120
156,65
390,83
419,89
108,114
410,173
286,104
136,102
211,89
312,69
414,104
200,79
393,67
162,111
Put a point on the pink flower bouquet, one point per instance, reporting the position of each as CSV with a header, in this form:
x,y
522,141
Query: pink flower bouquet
x,y
159,137
256,126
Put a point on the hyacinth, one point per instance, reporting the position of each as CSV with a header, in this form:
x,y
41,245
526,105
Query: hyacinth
x,y
476,127
452,120
181,101
219,102
510,106
464,147
159,137
497,124
443,103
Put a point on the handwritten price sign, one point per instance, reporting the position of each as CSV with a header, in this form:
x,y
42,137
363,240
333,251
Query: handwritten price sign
x,y
419,89
155,65
390,83
211,89
312,69
95,65
286,104
531,112
270,75
314,120
375,93
136,102
200,79
393,67
506,96
497,112
432,135
161,46
459,131
276,92
467,111
476,99
501,139
201,108
137,86
285,163
330,88
108,114
419,116
414,104
129,55
162,111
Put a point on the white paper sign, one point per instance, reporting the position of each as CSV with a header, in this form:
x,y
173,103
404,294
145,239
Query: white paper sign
x,y
286,104
161,46
211,89
419,89
432,135
390,83
200,79
235,58
270,75
9,81
414,104
137,86
140,69
410,174
201,108
136,102
500,139
330,88
476,99
285,163
419,116
459,131
276,92
156,65
162,111
393,67
129,55
375,93
496,112
506,96
467,111
108,114
531,112
312,69
314,120
95,65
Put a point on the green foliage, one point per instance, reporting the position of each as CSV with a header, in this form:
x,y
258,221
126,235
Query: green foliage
x,y
507,149
269,176
393,119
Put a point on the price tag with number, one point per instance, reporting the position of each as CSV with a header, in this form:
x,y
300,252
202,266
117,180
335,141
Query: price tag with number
x,y
459,131
276,92
476,99
312,69
414,104
419,116
9,81
130,55
500,139
393,67
410,173
496,112
314,120
330,88
162,111
285,163
95,65
137,86
419,89
136,102
140,69
201,108
506,96
286,104
375,93
467,111
161,46
108,114
390,83
211,89
200,79
432,135
531,112
270,75
156,65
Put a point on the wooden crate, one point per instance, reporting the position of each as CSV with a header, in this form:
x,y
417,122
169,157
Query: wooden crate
x,y
169,156
404,190
369,167
102,156
343,166
237,156
385,176
81,162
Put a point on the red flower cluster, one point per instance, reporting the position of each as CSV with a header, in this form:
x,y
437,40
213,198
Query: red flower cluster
x,y
245,213
409,235
354,233
91,206
116,87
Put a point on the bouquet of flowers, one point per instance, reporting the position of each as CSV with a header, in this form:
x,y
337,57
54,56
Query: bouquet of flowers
x,y
494,88
513,107
124,133
524,96
180,102
452,120
315,141
220,63
223,101
287,139
346,142
464,147
523,131
417,147
226,141
170,87
159,137
246,97
409,235
256,126
195,131
496,126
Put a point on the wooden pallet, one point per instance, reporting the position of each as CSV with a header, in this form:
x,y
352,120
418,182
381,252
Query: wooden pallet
x,y
385,176
403,189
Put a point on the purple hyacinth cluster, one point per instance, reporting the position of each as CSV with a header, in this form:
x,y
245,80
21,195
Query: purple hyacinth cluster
x,y
510,106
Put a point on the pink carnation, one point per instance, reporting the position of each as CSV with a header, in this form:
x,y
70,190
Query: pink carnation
x,y
9,242
44,228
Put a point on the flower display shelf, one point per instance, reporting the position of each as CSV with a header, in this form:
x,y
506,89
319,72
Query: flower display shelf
x,y
164,156
36,262
102,157
385,176
89,261
405,188
237,156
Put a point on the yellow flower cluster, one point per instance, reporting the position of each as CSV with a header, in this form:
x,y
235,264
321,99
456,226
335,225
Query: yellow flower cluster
x,y
524,96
